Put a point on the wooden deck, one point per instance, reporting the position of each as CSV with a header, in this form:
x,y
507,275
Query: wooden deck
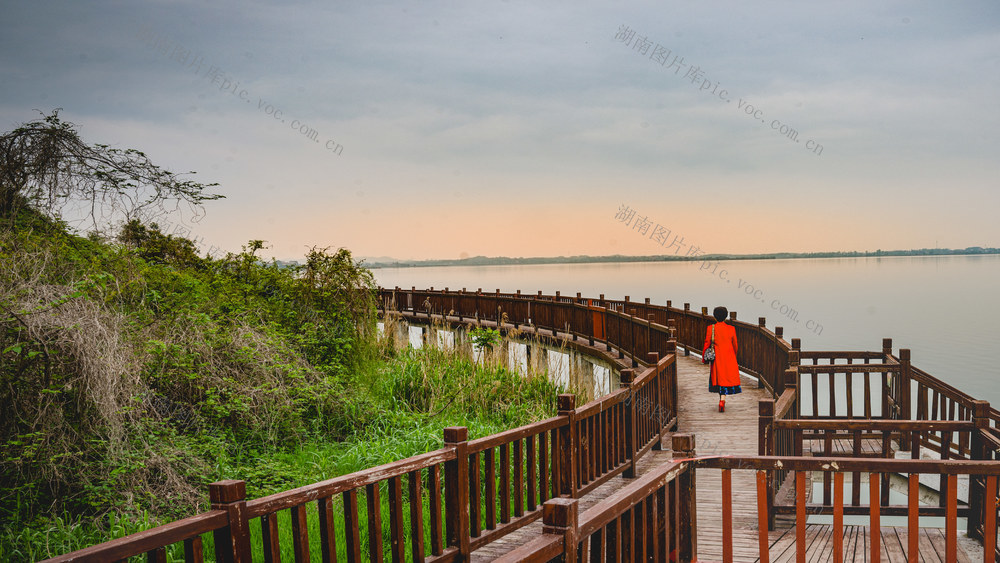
x,y
857,544
843,447
734,432
593,443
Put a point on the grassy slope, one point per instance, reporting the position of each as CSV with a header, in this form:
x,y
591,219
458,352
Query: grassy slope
x,y
137,373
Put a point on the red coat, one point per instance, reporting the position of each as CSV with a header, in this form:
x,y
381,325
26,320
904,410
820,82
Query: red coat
x,y
725,370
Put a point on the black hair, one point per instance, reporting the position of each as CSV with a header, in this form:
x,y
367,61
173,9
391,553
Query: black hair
x,y
720,313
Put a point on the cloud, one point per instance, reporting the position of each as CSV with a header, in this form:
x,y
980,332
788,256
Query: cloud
x,y
523,101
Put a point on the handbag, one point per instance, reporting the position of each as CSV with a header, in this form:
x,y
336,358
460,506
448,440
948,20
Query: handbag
x,y
709,356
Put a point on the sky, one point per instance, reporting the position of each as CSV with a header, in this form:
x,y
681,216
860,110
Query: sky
x,y
526,128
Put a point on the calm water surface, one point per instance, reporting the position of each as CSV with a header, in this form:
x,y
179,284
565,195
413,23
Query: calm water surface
x,y
946,309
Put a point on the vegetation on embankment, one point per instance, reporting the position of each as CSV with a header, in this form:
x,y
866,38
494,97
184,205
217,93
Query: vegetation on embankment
x,y
134,372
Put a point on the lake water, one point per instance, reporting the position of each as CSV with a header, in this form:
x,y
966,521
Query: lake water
x,y
944,308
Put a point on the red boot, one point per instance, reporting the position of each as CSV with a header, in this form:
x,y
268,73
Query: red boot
x,y
722,405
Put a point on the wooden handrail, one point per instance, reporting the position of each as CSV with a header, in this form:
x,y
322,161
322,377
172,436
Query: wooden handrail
x,y
784,404
876,425
612,507
508,436
602,403
148,540
652,488
849,464
294,497
848,368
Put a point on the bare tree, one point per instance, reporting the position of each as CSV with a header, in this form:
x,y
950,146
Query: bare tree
x,y
45,165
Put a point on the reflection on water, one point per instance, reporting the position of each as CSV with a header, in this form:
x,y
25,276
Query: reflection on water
x,y
944,308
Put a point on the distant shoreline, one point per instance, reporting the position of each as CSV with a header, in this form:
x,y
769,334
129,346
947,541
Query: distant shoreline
x,y
618,258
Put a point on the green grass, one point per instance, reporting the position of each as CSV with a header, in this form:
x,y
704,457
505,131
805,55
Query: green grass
x,y
134,372
415,395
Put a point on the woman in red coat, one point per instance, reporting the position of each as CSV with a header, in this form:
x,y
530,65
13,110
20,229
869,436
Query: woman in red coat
x,y
725,376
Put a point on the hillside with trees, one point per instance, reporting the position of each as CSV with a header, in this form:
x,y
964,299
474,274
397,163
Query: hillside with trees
x,y
134,371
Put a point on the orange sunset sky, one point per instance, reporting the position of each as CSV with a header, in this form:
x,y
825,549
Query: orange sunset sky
x,y
442,130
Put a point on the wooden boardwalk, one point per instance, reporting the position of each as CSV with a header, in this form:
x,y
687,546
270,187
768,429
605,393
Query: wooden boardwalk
x,y
734,432
592,443
857,544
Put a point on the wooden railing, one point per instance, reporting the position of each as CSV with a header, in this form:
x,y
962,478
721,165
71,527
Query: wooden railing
x,y
486,489
471,493
886,404
653,518
628,328
442,505
232,517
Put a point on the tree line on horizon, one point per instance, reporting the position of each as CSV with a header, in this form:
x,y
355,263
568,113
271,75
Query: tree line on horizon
x,y
586,259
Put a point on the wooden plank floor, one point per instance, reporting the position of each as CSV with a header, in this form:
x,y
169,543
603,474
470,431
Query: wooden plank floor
x,y
734,432
870,447
857,544
531,531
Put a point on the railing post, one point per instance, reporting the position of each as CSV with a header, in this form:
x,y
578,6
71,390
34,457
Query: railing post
x,y
660,407
687,349
683,448
561,516
607,337
569,443
793,362
590,323
627,376
672,378
762,323
649,331
765,446
456,491
886,352
232,543
631,334
977,484
792,381
904,395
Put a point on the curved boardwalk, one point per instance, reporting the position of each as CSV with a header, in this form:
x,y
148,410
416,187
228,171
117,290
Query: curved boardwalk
x,y
731,433
595,443
735,433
